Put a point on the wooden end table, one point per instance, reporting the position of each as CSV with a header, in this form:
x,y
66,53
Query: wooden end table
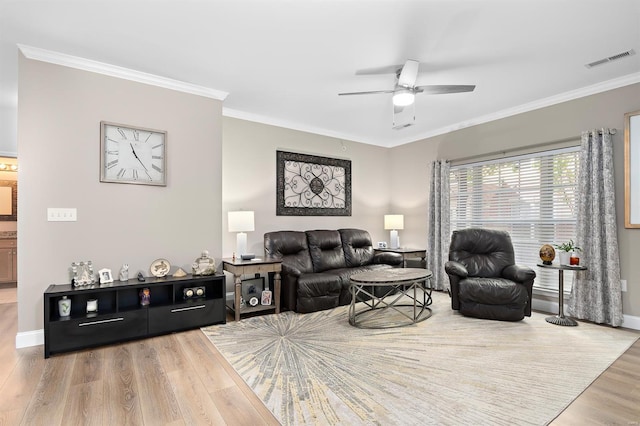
x,y
560,319
407,253
238,268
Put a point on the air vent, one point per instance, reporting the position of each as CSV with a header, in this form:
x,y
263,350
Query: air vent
x,y
611,58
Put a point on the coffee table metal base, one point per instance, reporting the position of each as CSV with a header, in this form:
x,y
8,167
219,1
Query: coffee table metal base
x,y
408,298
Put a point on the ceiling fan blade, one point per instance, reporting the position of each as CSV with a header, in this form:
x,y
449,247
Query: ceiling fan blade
x,y
444,89
373,92
389,69
409,73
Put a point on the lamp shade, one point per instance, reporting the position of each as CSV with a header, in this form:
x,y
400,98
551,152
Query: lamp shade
x,y
403,97
393,221
241,221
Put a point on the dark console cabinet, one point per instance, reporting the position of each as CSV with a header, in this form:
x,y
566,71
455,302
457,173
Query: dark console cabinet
x,y
121,317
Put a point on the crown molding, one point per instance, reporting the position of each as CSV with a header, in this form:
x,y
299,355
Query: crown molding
x,y
262,119
594,89
63,59
530,106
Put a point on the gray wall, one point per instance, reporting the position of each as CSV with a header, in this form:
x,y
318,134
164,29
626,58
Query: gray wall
x,y
411,162
59,114
249,180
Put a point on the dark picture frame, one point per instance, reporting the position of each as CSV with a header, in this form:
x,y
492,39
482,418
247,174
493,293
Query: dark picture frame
x,y
252,287
311,185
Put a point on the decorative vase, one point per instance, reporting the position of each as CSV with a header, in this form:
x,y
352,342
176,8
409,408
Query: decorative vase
x,y
64,307
564,257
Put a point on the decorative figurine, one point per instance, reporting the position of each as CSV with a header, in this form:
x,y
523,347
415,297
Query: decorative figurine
x,y
141,277
124,272
204,265
180,273
145,297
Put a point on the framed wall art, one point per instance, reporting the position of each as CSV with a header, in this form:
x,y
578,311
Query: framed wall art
x,y
632,170
310,185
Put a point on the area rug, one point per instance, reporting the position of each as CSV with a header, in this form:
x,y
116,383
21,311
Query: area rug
x,y
451,370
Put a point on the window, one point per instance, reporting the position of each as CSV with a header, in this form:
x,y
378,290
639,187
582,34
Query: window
x,y
533,197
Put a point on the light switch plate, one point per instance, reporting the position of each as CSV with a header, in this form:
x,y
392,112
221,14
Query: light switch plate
x,y
62,215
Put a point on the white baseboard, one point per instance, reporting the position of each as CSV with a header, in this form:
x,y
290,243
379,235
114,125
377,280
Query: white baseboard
x,y
36,337
551,306
27,339
631,322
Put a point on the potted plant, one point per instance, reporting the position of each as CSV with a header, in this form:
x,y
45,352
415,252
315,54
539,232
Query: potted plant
x,y
566,255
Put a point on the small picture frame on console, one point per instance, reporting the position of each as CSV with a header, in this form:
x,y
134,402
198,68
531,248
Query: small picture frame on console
x,y
105,276
252,287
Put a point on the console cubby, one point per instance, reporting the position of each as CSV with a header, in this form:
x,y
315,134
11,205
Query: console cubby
x,y
121,317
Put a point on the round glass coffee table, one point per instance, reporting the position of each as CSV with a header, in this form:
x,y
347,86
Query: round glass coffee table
x,y
390,297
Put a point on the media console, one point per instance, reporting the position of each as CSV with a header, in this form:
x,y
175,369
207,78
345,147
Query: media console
x,y
120,315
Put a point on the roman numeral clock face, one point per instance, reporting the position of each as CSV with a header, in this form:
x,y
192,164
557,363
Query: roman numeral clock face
x,y
132,155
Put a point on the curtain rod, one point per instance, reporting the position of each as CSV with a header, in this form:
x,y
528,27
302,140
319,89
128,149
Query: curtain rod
x,y
504,152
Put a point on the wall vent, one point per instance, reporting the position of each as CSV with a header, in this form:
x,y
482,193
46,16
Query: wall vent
x,y
611,58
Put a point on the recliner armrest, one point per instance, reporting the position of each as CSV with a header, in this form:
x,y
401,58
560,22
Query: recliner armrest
x,y
387,258
518,273
456,268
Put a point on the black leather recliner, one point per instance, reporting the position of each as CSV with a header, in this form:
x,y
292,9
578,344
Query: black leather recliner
x,y
484,280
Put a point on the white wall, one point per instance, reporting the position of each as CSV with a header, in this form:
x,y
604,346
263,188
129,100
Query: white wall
x,y
59,114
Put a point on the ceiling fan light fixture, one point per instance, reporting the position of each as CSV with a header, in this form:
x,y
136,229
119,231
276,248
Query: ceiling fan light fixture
x,y
403,97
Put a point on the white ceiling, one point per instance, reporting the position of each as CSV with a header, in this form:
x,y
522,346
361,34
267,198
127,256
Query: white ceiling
x,y
284,62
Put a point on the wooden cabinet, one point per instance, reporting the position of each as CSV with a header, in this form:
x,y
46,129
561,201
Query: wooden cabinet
x,y
120,317
8,260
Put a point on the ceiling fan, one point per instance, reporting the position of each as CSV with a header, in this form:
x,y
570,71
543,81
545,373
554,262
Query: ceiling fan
x,y
405,88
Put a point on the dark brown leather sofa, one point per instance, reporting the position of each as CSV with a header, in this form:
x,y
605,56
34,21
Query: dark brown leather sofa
x,y
483,277
316,265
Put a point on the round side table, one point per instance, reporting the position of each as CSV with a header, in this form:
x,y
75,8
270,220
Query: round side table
x,y
560,319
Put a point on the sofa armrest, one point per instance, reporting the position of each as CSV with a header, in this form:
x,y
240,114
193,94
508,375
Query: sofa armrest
x,y
520,274
456,268
290,270
387,258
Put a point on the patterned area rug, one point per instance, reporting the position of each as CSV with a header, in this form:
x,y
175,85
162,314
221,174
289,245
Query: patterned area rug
x,y
450,369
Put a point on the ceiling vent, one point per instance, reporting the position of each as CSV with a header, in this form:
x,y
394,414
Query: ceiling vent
x,y
611,58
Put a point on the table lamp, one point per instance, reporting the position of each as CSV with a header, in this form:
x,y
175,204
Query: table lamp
x,y
241,222
393,222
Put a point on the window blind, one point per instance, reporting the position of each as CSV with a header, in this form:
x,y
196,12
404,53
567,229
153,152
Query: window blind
x,y
533,197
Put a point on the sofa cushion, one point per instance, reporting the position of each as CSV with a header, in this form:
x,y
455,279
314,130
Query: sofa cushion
x,y
357,247
492,291
318,291
291,247
326,251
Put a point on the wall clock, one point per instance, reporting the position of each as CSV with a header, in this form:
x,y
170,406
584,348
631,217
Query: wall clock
x,y
132,154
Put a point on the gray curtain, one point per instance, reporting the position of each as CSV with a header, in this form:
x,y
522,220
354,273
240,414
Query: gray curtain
x,y
439,234
596,294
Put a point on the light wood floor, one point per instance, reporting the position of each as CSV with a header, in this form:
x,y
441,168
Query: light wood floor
x,y
181,379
